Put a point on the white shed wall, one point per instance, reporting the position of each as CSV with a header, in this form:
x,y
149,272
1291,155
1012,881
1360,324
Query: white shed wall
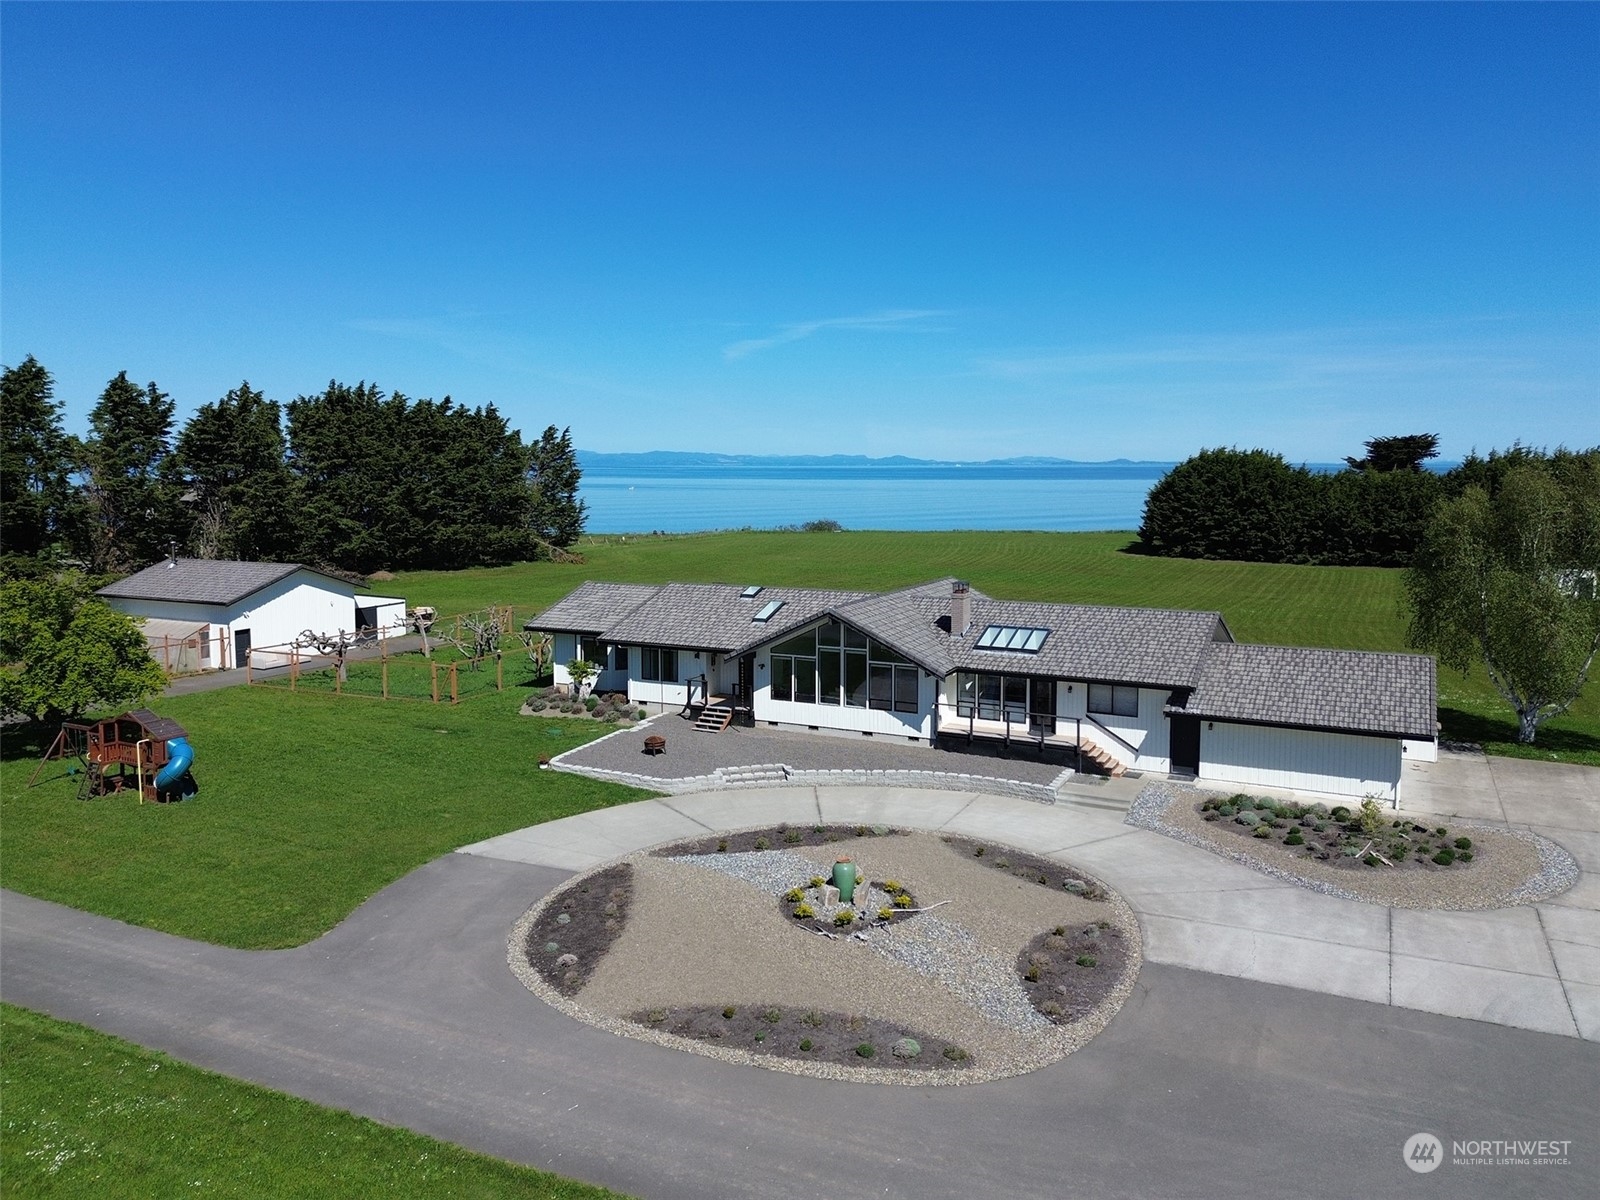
x,y
1301,760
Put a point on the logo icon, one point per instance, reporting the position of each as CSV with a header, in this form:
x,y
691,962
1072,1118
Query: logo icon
x,y
1423,1152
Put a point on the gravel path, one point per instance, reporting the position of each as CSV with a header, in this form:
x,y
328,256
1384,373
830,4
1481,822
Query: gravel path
x,y
1509,867
708,930
690,754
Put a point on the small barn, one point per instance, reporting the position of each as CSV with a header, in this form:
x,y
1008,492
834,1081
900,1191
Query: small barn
x,y
206,614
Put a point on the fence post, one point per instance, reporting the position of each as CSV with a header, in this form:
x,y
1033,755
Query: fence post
x,y
338,684
294,668
499,673
433,670
249,675
455,695
385,677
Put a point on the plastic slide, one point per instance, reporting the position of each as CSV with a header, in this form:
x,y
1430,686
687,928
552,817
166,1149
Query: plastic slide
x,y
172,776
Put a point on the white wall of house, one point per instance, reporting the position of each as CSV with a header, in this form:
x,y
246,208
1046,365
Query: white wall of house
x,y
274,615
1420,750
1302,760
841,718
1141,742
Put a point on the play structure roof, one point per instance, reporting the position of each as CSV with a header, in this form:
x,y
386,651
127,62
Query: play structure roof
x,y
160,729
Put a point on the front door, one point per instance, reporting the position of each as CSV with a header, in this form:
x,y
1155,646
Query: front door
x,y
1185,733
747,682
1042,707
241,647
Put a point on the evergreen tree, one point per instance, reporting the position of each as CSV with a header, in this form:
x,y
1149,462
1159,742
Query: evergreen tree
x,y
1246,505
130,481
241,495
1404,453
37,501
347,459
556,515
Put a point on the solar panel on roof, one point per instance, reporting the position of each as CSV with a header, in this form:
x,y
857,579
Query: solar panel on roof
x,y
1013,638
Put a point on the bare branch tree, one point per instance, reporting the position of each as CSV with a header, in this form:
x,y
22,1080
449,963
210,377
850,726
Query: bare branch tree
x,y
336,646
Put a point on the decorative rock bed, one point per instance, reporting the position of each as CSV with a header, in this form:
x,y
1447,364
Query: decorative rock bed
x,y
1397,861
1014,961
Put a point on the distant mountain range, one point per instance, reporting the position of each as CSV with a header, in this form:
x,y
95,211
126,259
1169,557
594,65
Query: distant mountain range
x,y
692,458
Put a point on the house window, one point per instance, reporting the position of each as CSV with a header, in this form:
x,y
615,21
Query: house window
x,y
997,697
590,649
619,658
1113,700
835,664
657,665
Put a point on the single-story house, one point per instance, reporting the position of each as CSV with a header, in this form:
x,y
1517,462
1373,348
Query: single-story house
x,y
206,614
1152,690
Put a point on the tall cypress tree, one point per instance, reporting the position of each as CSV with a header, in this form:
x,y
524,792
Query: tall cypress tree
x,y
557,515
241,496
37,502
130,481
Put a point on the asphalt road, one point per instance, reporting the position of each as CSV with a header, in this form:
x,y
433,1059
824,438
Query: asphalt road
x,y
1204,1086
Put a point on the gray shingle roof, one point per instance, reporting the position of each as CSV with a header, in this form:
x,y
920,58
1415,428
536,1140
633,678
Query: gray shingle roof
x,y
204,580
593,607
714,616
1352,690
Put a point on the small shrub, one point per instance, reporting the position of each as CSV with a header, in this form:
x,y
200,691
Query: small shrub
x,y
1226,810
841,919
794,895
1339,813
886,913
901,900
812,1018
1032,973
1463,843
805,1043
866,1050
538,706
804,911
730,1012
1369,860
591,703
1294,839
656,1015
1060,931
1445,857
722,845
792,836
955,1054
1051,1009
861,831
1262,831
1085,960
1442,831
1002,863
892,886
761,1035
977,852
772,1016
1248,819
643,716
1464,855
817,881
761,843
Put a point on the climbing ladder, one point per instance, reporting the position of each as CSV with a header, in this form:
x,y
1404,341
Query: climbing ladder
x,y
714,718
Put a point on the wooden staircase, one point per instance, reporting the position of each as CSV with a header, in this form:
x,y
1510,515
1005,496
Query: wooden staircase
x,y
1097,755
714,718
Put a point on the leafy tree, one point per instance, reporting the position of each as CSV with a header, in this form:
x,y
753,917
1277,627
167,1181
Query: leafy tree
x,y
557,514
66,652
241,495
1404,453
1509,579
1247,505
130,481
37,501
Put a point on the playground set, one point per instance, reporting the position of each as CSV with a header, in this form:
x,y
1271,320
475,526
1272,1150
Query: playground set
x,y
155,748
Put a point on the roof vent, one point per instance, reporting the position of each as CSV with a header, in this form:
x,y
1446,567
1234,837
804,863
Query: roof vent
x,y
768,611
751,592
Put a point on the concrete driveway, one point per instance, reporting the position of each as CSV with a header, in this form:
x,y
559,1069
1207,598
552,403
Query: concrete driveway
x,y
1532,967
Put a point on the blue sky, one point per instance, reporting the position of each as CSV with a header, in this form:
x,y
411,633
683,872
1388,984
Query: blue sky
x,y
960,231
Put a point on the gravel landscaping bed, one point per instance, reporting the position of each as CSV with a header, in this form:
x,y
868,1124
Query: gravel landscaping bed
x,y
1508,866
707,932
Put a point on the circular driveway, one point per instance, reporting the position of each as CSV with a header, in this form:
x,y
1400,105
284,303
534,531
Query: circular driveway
x,y
1204,1085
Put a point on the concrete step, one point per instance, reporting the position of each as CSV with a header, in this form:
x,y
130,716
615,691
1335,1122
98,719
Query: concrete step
x,y
759,773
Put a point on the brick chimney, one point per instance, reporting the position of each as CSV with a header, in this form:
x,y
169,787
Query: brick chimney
x,y
960,607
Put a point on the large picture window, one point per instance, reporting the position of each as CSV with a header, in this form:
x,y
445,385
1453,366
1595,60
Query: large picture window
x,y
657,665
1006,698
1113,700
835,664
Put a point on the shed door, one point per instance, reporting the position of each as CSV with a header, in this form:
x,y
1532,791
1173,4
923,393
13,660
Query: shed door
x,y
1186,745
241,647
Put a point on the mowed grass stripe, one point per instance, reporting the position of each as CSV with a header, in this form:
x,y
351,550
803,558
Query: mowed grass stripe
x,y
87,1115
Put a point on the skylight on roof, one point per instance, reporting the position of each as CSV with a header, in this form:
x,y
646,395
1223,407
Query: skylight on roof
x,y
750,593
768,611
1011,638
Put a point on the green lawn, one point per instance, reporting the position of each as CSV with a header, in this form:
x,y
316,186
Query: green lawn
x,y
88,1115
308,805
1356,608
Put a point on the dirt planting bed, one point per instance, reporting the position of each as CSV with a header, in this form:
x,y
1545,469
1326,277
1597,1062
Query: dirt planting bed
x,y
572,935
809,1035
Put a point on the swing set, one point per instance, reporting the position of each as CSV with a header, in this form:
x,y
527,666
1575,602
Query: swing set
x,y
155,748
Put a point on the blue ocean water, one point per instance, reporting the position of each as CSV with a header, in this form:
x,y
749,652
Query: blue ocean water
x,y
681,499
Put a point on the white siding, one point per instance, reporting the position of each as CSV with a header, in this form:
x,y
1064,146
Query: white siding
x,y
1420,750
1301,760
1144,742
